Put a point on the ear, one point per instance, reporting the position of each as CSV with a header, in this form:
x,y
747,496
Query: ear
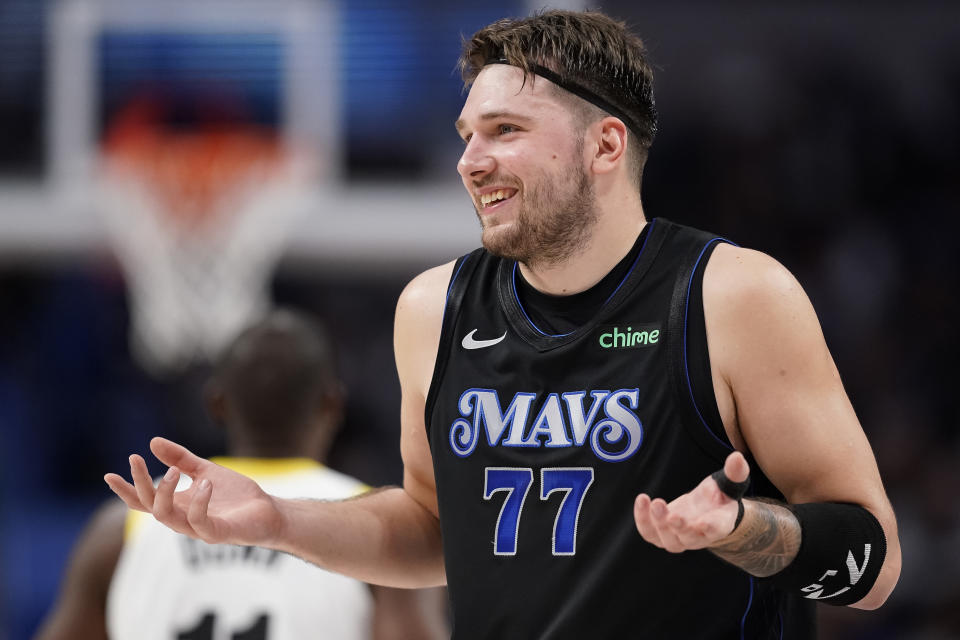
x,y
334,403
611,145
215,401
328,420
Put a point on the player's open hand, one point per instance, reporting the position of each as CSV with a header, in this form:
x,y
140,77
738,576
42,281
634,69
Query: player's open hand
x,y
696,520
219,506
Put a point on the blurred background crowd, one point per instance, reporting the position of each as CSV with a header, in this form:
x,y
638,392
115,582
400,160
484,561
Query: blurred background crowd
x,y
825,134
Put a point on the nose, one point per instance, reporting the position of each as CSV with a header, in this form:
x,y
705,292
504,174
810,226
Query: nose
x,y
476,160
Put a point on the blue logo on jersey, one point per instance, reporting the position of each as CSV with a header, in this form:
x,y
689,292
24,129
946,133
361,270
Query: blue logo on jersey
x,y
562,421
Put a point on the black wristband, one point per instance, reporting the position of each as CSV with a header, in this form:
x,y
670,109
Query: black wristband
x,y
842,548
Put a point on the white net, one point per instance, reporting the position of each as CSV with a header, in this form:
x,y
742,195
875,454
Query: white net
x,y
198,222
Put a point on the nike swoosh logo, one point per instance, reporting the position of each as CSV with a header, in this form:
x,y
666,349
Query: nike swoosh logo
x,y
470,343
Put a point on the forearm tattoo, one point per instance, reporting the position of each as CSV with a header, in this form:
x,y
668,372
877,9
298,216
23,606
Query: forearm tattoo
x,y
765,542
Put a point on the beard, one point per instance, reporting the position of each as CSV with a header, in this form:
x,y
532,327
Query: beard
x,y
553,222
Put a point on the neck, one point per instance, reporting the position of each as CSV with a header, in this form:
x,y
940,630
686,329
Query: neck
x,y
246,447
616,229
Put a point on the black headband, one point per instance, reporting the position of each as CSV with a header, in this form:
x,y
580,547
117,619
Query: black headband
x,y
584,93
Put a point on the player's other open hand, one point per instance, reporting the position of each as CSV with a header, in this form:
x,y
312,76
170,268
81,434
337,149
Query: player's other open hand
x,y
696,520
219,506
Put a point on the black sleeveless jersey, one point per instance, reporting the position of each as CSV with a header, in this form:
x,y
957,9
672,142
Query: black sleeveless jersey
x,y
541,443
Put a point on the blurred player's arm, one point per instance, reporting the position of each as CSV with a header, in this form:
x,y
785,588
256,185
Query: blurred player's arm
x,y
389,537
410,614
80,610
781,400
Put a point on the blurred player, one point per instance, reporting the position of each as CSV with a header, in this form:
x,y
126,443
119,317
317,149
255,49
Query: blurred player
x,y
277,394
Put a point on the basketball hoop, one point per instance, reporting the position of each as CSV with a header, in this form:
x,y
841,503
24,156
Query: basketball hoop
x,y
198,219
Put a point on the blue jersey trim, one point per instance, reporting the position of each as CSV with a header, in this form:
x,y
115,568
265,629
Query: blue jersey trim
x,y
454,278
686,362
524,311
635,261
743,620
622,280
450,288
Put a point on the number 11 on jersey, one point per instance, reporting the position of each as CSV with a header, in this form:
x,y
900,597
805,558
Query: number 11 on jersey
x,y
515,481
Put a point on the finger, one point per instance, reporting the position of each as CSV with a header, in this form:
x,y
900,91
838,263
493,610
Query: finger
x,y
197,515
643,520
142,481
125,491
736,467
660,516
164,508
175,455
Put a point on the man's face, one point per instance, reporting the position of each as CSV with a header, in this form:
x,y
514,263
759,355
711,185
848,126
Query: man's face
x,y
524,167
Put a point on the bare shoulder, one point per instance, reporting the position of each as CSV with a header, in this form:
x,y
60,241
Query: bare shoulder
x,y
753,303
417,326
759,319
425,295
98,549
744,276
105,530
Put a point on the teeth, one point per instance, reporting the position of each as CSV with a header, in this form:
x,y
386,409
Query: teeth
x,y
494,196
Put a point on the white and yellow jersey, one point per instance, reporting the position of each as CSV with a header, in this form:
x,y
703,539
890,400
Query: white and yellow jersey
x,y
168,586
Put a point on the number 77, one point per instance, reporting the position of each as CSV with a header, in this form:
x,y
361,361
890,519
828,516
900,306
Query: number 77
x,y
516,481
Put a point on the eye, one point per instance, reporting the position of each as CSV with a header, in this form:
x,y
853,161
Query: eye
x,y
504,129
466,139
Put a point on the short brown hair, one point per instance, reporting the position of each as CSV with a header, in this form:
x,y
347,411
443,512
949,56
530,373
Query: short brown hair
x,y
585,48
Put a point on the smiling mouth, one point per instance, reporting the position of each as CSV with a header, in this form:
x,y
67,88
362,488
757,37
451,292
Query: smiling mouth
x,y
496,197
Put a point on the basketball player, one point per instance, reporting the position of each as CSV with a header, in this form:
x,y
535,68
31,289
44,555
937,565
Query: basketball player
x,y
611,426
277,394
